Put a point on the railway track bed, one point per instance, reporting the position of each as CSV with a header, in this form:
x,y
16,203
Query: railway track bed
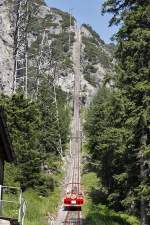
x,y
73,218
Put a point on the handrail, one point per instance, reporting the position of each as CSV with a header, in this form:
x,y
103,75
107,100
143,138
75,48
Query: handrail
x,y
20,202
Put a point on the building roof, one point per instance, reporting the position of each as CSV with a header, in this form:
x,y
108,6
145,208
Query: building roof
x,y
5,143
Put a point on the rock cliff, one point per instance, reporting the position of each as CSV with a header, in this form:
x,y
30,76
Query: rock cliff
x,y
6,47
59,28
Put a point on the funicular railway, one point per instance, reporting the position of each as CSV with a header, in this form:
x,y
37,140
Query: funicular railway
x,y
74,198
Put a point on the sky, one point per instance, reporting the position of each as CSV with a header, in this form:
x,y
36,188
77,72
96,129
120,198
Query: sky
x,y
87,11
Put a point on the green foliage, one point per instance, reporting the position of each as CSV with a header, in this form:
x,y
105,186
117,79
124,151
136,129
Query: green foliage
x,y
65,18
63,40
133,79
90,69
55,49
94,34
118,126
59,50
34,48
35,136
10,209
36,126
39,206
107,144
89,74
51,128
95,53
96,213
24,122
102,215
67,63
35,133
11,173
91,79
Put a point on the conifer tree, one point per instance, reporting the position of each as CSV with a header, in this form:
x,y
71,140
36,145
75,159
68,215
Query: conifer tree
x,y
35,133
118,126
24,122
133,77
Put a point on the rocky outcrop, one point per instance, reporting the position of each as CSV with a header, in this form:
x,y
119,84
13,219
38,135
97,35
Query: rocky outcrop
x,y
96,63
85,32
96,56
6,46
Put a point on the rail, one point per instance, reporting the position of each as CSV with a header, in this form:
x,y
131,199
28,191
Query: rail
x,y
73,218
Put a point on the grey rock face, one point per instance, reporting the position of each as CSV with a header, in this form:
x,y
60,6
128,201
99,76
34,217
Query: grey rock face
x,y
95,70
96,63
85,32
92,71
44,10
6,48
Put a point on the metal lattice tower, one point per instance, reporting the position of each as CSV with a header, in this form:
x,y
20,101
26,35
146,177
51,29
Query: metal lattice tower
x,y
21,43
45,62
48,65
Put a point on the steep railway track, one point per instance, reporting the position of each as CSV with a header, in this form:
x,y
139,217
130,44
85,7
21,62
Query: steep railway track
x,y
73,218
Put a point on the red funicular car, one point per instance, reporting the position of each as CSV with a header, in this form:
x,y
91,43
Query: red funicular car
x,y
73,197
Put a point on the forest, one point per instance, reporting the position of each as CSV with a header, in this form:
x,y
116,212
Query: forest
x,y
118,119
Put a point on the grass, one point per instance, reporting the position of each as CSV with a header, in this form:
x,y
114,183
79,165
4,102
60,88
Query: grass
x,y
10,206
98,214
39,206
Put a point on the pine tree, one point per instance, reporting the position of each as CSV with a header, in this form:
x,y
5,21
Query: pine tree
x,y
55,117
35,134
133,77
118,121
24,122
107,139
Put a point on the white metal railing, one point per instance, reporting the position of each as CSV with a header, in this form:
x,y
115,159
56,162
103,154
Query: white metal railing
x,y
11,200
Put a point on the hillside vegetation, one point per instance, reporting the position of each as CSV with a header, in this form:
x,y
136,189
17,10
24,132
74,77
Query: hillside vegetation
x,y
34,132
117,122
97,57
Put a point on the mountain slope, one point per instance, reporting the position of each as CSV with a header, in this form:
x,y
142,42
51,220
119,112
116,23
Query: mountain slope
x,y
97,61
96,56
